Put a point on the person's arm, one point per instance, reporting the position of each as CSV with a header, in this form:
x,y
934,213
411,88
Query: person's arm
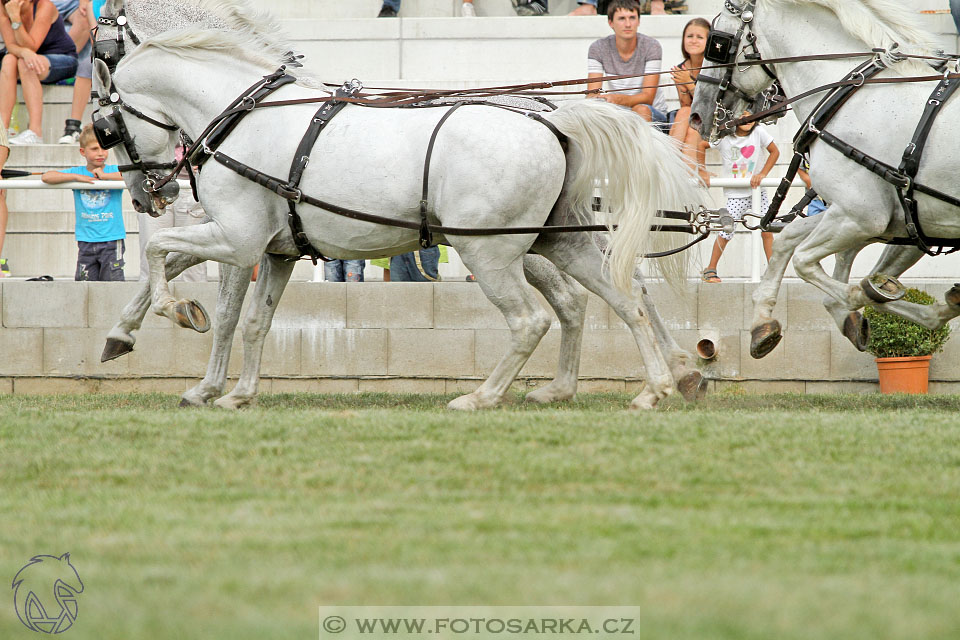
x,y
101,175
594,86
8,34
774,154
31,36
59,177
684,83
805,177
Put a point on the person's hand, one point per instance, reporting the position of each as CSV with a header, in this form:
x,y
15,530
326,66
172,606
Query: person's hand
x,y
36,63
680,76
99,173
13,9
756,178
614,98
85,178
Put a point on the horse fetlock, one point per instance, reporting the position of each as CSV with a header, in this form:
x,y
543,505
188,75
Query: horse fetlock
x,y
952,297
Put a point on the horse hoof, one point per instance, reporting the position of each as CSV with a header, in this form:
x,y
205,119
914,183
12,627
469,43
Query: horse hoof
x,y
856,329
882,288
764,338
114,349
692,386
192,315
953,296
184,403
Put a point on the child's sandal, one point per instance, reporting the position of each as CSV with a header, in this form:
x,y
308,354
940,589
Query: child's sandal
x,y
710,275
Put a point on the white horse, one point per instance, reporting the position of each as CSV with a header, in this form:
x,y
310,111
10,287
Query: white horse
x,y
239,236
878,119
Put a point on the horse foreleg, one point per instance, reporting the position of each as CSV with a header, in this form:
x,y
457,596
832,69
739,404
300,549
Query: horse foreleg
x,y
271,281
206,241
689,379
120,338
234,282
569,301
765,330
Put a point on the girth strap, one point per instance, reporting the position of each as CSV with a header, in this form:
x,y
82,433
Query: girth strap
x,y
426,238
910,166
300,161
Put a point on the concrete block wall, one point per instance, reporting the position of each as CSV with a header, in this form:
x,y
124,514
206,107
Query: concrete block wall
x,y
427,47
422,337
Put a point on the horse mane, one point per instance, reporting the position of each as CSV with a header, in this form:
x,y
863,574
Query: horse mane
x,y
878,23
237,26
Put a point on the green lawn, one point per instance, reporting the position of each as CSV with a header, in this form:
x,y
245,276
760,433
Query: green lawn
x,y
767,517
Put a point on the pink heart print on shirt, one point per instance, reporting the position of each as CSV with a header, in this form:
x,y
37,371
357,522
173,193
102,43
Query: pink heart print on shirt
x,y
748,151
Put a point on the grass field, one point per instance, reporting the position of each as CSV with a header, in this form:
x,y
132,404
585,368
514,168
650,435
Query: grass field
x,y
747,517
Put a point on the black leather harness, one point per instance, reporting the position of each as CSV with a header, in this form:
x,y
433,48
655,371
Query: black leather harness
x,y
903,178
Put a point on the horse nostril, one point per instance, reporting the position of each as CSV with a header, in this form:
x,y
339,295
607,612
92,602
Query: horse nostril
x,y
137,206
695,121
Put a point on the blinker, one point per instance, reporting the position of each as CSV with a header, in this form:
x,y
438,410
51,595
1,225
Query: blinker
x,y
721,47
107,131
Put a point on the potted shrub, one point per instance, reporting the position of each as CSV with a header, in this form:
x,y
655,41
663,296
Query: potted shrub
x,y
903,348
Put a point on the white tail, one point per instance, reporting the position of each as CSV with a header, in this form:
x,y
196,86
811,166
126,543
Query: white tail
x,y
639,170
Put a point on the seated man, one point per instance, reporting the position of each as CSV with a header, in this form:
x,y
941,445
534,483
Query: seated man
x,y
628,52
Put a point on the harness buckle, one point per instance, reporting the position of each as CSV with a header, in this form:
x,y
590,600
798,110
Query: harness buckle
x,y
287,192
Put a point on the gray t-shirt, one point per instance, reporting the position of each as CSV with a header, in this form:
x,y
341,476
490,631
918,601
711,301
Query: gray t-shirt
x,y
604,58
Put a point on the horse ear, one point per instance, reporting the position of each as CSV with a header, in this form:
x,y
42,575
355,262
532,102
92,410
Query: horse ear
x,y
112,8
101,78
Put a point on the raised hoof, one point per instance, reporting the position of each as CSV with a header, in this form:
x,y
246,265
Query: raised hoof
x,y
856,329
764,338
693,386
882,288
953,296
192,315
114,349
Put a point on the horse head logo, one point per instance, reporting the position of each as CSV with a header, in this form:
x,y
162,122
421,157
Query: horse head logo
x,y
45,593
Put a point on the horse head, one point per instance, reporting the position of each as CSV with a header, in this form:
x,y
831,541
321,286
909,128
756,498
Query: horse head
x,y
141,141
724,92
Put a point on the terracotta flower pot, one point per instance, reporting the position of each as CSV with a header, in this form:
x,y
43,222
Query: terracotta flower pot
x,y
904,375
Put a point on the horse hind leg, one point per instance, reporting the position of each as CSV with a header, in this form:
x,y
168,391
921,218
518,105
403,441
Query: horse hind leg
x,y
581,259
526,318
569,301
274,274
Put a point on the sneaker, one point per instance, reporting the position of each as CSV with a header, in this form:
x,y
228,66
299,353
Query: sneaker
x,y
4,268
26,137
71,132
529,8
467,10
386,12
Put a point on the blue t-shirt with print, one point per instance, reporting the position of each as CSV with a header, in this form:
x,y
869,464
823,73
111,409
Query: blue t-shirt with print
x,y
99,211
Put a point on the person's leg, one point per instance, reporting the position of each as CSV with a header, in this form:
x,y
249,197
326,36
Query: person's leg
x,y
955,12
87,266
587,8
767,238
333,271
187,212
389,9
111,261
32,96
403,268
3,214
8,87
353,270
428,264
643,111
718,248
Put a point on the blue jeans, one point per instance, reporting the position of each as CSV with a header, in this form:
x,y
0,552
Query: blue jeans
x,y
403,268
343,271
816,207
393,4
955,12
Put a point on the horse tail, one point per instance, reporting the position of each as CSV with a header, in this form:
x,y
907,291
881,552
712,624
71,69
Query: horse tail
x,y
637,172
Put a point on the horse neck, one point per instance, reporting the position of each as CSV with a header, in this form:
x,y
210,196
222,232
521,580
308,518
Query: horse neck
x,y
181,87
787,29
149,17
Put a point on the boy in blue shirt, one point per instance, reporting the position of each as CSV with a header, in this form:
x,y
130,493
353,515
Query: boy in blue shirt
x,y
99,229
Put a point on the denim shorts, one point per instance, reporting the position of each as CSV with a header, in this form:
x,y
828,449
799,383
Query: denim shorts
x,y
61,67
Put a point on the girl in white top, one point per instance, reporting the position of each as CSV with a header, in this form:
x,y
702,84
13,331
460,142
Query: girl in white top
x,y
750,147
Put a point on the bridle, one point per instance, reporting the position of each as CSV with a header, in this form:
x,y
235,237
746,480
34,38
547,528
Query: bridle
x,y
111,51
723,47
111,130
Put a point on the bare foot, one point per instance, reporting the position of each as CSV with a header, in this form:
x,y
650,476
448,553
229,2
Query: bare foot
x,y
584,10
